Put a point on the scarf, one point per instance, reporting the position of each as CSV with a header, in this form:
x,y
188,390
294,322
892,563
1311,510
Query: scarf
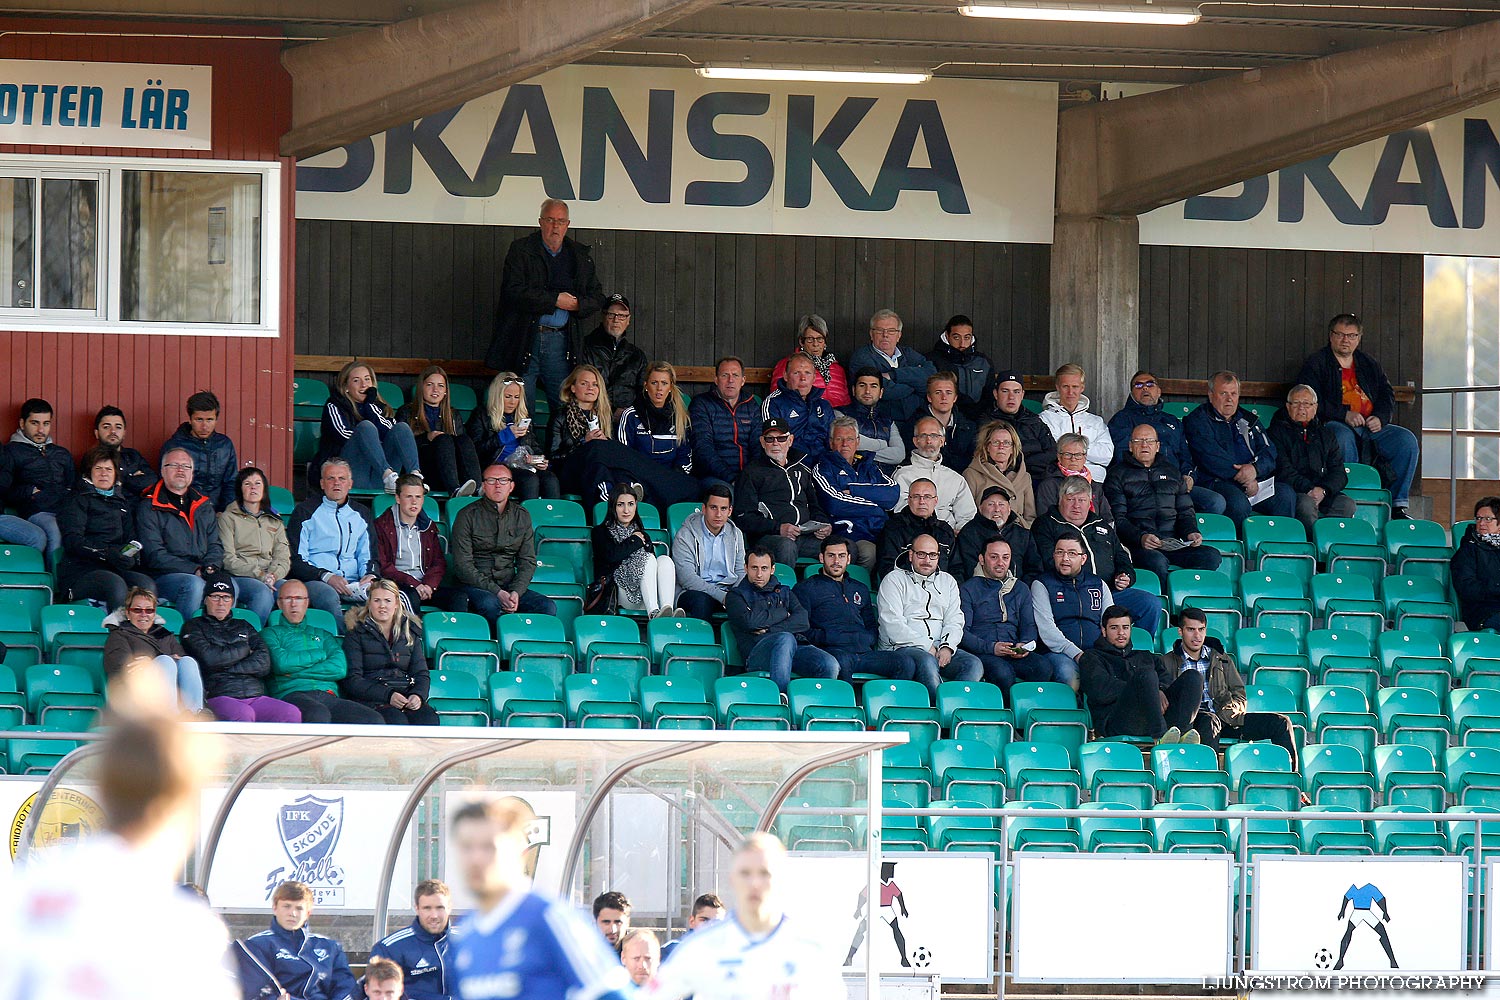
x,y
1490,538
577,420
824,364
619,532
1007,584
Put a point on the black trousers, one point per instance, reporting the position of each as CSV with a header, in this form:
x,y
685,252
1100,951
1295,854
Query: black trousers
x,y
1138,710
1271,726
394,716
323,707
448,461
445,598
106,585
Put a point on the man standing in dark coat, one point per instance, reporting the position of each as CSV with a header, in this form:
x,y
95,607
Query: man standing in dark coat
x,y
547,289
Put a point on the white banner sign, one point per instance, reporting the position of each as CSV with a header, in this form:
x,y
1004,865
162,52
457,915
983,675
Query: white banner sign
x,y
1155,918
1359,914
1434,189
935,914
659,149
136,105
549,837
334,839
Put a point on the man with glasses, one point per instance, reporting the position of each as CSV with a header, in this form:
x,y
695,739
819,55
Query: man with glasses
x,y
921,613
622,363
179,534
724,426
1476,567
1153,513
918,517
307,664
548,287
1106,556
903,370
1310,459
1145,407
775,504
493,552
955,502
1072,463
1356,401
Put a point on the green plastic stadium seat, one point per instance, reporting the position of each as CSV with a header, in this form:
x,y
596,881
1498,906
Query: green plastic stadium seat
x,y
1322,832
457,698
526,700
1037,831
1397,837
1476,658
1334,774
818,703
1114,834
901,705
1474,775
1177,830
601,701
1278,543
1409,775
1278,600
460,641
975,710
1189,772
1115,772
680,702
1349,545
1041,772
1261,773
746,702
1209,591
1474,709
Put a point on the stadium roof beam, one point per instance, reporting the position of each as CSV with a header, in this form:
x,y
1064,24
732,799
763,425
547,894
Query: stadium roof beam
x,y
1118,159
352,86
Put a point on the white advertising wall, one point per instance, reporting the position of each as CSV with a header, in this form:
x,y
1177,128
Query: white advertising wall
x,y
1157,918
549,836
940,906
334,839
665,149
130,105
1306,907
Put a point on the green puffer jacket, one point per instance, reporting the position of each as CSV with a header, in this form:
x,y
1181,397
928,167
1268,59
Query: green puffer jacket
x,y
304,658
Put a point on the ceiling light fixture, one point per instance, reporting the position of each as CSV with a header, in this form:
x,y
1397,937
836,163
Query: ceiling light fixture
x,y
771,73
1106,13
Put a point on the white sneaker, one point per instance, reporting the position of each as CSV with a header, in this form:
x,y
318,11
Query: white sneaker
x,y
467,489
425,487
1192,736
390,480
1172,735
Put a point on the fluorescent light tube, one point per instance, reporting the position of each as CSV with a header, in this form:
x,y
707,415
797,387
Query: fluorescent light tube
x,y
769,73
1041,10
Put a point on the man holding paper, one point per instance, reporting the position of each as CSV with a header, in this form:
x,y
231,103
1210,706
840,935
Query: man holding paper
x,y
775,504
1234,457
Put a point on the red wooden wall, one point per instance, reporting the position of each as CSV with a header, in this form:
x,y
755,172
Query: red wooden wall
x,y
150,377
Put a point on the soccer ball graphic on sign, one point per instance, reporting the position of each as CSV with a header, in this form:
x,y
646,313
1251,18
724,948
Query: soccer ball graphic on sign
x,y
921,956
1322,958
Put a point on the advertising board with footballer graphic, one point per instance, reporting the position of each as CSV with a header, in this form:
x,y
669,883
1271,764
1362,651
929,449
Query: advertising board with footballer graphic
x,y
1360,914
935,915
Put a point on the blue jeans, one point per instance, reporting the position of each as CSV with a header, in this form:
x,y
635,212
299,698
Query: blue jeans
x,y
19,531
1039,666
484,602
780,654
1144,608
1396,445
699,604
369,456
256,596
320,595
884,662
1237,505
963,666
183,677
183,590
1206,501
548,365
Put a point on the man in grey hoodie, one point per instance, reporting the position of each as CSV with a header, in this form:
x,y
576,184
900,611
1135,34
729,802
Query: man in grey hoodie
x,y
709,554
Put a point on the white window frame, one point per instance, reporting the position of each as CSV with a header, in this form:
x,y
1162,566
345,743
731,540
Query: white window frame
x,y
110,171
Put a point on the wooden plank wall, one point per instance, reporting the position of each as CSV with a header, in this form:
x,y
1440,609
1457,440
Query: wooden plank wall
x,y
1261,312
404,290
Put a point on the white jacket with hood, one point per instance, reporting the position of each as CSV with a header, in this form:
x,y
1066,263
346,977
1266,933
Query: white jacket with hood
x,y
918,610
955,500
1092,426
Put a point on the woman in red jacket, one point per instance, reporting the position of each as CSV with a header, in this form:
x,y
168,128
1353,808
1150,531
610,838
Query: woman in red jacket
x,y
812,340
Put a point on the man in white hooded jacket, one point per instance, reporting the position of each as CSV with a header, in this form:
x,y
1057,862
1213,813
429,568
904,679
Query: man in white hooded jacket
x,y
1066,411
955,500
922,615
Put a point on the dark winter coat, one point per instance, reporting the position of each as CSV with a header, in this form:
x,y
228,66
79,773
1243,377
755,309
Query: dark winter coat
x,y
214,463
231,655
770,495
525,297
1476,578
125,642
1169,432
1150,501
380,667
1323,372
1308,456
94,528
1103,671
1217,448
990,617
973,368
173,541
35,478
1107,557
902,528
1025,562
724,439
774,608
622,363
841,617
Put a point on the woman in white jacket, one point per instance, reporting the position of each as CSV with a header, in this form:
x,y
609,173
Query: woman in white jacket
x,y
922,617
1066,411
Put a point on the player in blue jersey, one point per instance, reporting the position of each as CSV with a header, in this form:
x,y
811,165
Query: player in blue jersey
x,y
519,943
758,952
1365,898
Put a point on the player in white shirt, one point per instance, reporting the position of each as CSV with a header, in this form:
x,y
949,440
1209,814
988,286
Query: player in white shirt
x,y
758,952
106,920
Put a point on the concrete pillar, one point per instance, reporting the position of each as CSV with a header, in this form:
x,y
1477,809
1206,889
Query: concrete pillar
x,y
1096,269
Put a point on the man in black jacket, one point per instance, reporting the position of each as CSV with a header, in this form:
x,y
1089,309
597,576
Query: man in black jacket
x,y
1037,443
1153,513
1310,459
918,517
775,497
37,476
136,474
1107,556
232,658
1356,401
770,624
548,287
995,519
1127,690
622,363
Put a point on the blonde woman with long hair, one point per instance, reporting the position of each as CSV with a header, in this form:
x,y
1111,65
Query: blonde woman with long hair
x,y
360,427
998,462
655,427
444,449
504,434
387,667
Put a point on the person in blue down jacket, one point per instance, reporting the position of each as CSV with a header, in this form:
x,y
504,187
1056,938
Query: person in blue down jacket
x,y
903,370
998,621
1232,453
842,621
801,404
214,460
856,493
1145,407
879,437
288,957
422,948
724,425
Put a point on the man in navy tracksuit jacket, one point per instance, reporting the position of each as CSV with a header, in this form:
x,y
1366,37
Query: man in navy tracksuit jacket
x,y
856,492
841,618
422,948
801,404
306,965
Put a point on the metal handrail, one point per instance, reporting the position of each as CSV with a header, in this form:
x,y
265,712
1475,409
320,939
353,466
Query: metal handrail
x,y
1453,392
